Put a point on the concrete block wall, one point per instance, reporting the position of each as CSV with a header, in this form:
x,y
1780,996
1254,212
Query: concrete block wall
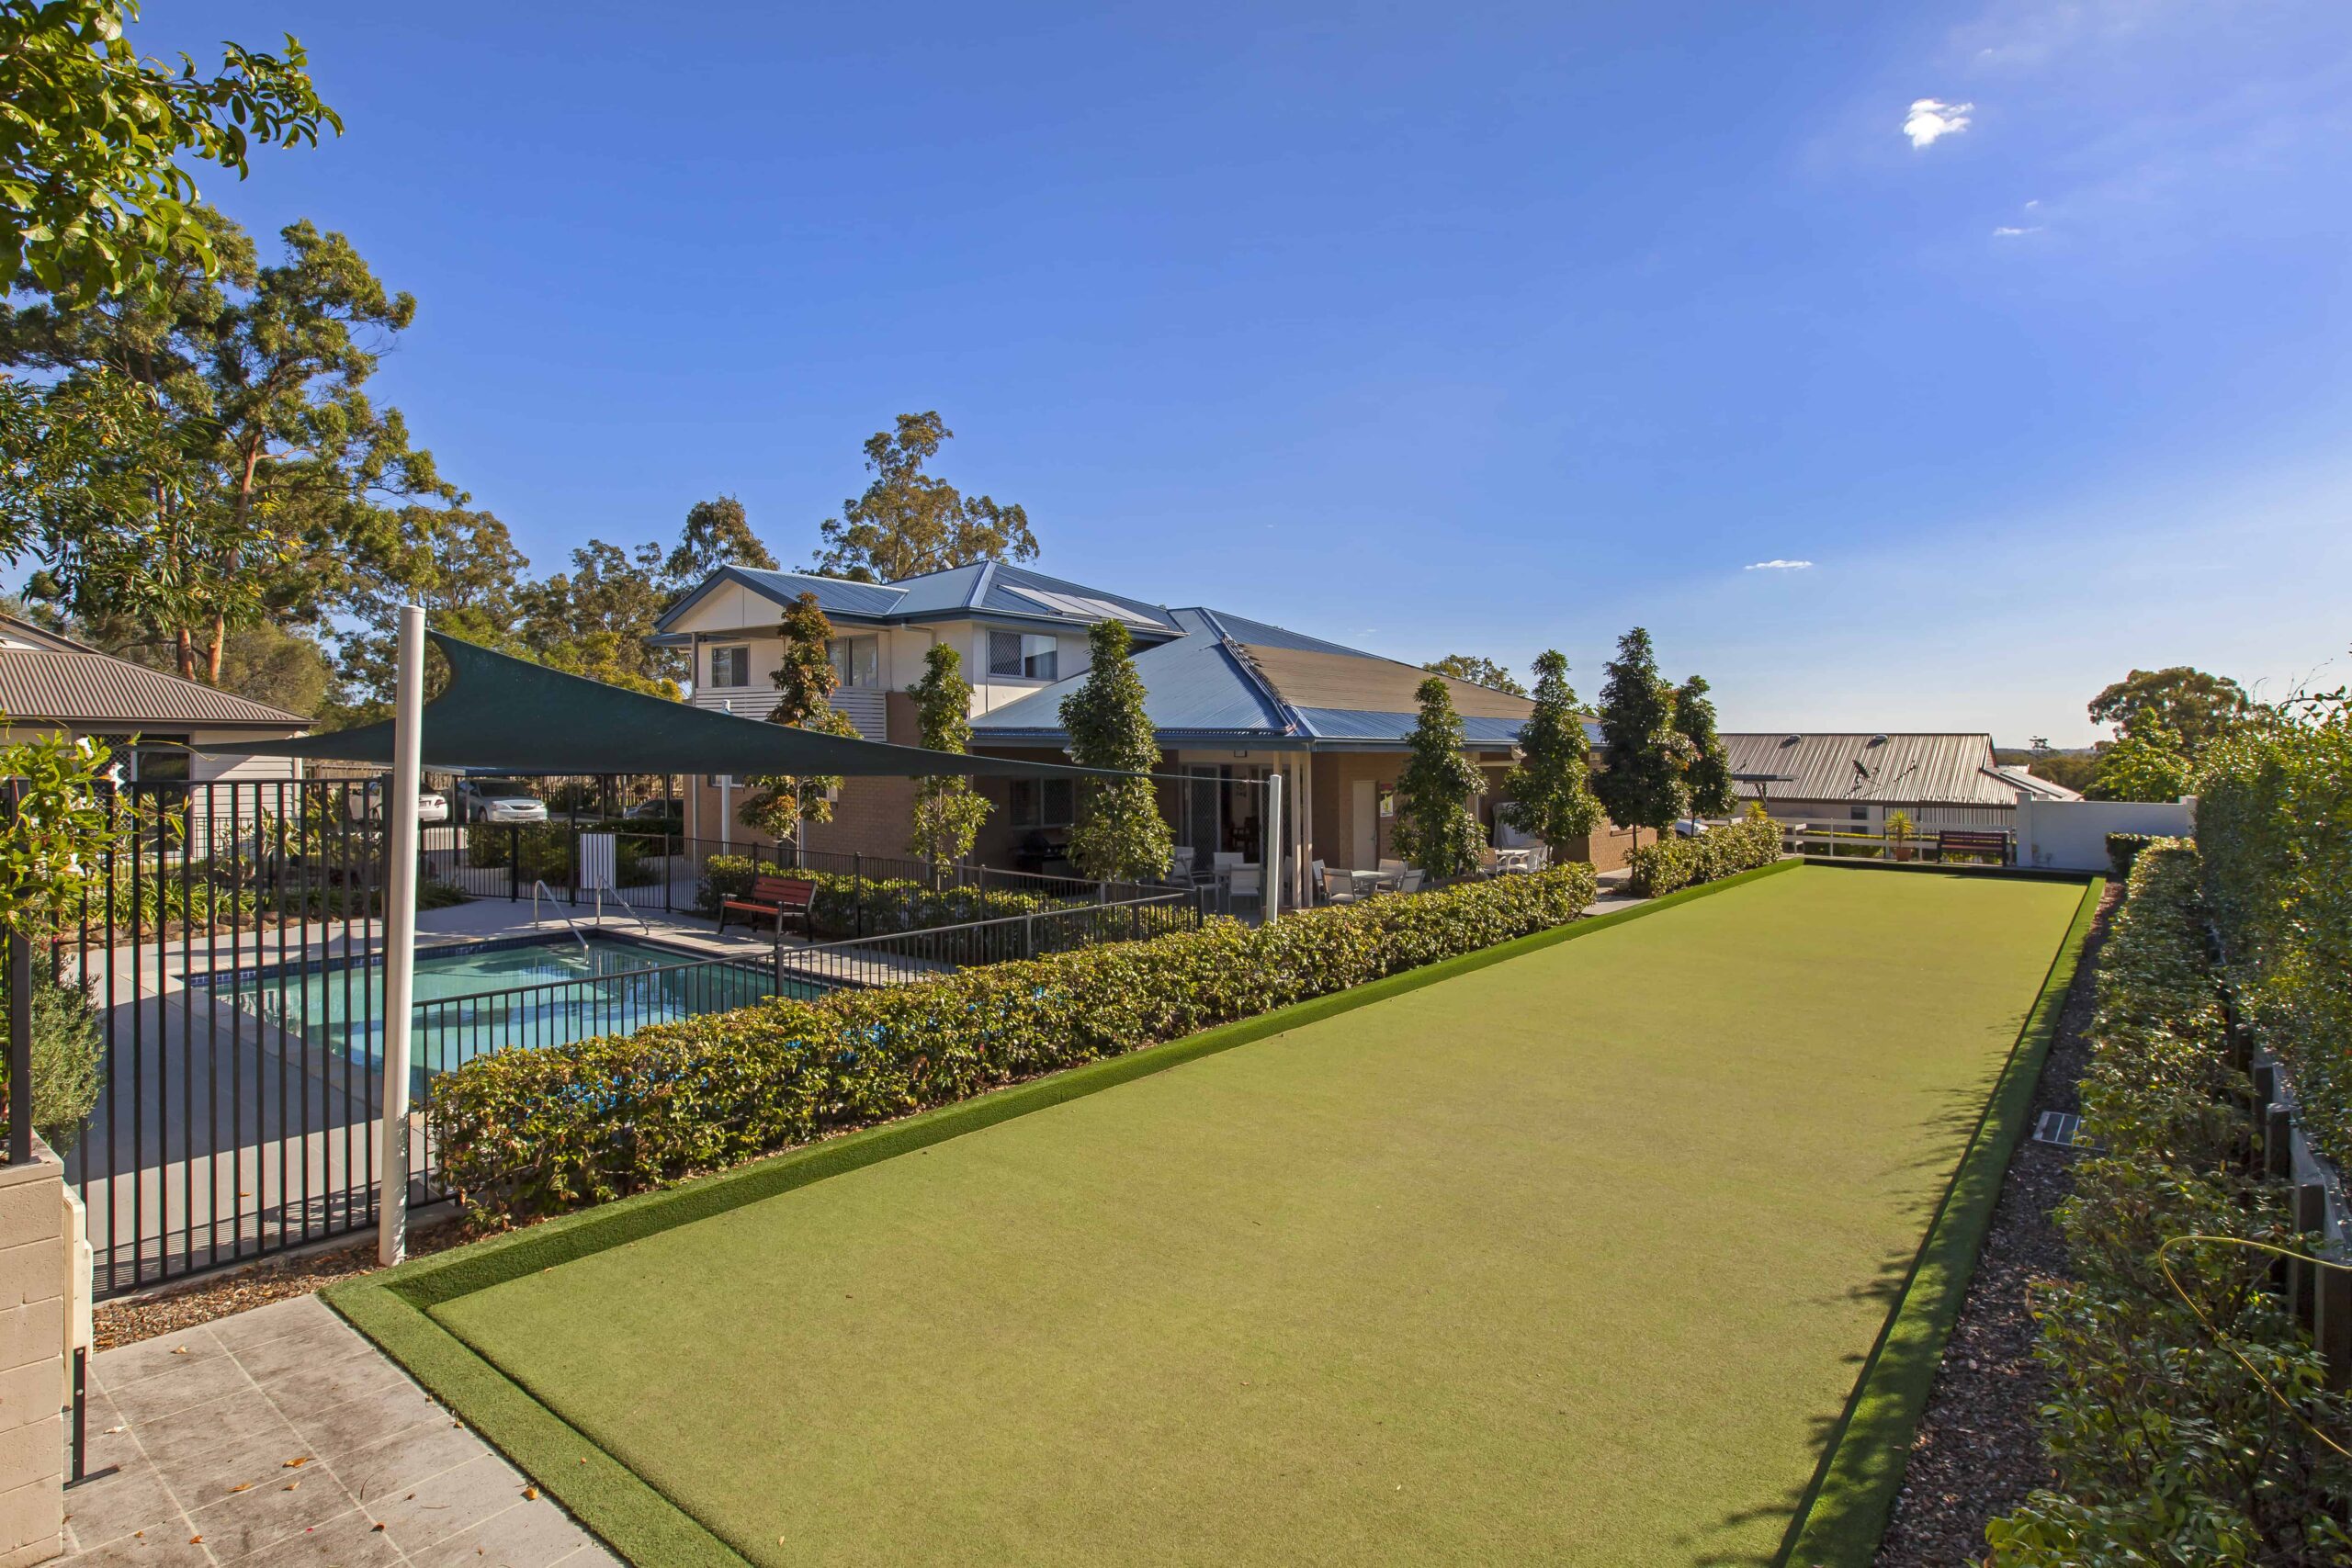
x,y
33,1304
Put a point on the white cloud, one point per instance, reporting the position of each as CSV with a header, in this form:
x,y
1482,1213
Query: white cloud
x,y
1777,566
2007,233
1931,118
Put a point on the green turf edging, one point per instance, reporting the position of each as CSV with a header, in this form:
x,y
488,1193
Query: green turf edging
x,y
1843,1514
603,1494
467,1269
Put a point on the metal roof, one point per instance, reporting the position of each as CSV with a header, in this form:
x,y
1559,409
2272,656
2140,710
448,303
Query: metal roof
x,y
1923,769
88,687
986,587
1286,690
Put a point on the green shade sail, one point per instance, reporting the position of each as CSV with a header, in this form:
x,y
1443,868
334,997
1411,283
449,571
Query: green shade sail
x,y
505,714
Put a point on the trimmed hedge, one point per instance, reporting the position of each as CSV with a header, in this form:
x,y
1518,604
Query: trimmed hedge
x,y
2123,849
890,903
2274,822
1727,850
528,1132
2164,1449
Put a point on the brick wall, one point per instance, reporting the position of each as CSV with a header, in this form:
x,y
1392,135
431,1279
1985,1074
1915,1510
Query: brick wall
x,y
33,1359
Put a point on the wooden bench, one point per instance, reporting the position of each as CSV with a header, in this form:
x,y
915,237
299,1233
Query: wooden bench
x,y
1953,843
774,897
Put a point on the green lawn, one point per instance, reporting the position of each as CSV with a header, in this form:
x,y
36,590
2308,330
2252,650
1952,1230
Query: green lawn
x,y
1574,1257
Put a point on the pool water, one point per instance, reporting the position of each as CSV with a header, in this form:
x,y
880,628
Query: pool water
x,y
540,991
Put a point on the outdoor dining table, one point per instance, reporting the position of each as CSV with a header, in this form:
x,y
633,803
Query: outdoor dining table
x,y
1514,860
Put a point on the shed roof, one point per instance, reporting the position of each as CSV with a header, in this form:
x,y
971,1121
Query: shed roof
x,y
1938,769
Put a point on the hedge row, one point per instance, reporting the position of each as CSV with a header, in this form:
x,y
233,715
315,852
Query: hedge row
x,y
1675,863
2274,821
846,906
2164,1449
2123,849
529,1132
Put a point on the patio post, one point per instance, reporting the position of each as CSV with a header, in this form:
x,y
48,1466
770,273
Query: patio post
x,y
1270,884
399,935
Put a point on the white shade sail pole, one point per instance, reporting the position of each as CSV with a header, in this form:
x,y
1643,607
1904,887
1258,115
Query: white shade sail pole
x,y
400,932
1277,864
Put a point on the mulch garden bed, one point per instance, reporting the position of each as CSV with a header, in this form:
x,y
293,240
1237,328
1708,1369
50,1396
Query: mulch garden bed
x,y
177,1307
1977,1455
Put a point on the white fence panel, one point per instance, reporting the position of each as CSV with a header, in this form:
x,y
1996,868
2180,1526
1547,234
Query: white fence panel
x,y
2071,835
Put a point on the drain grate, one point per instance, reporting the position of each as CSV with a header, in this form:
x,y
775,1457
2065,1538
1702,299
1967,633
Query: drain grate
x,y
2063,1128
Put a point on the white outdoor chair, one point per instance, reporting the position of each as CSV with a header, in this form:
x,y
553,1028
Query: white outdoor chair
x,y
1180,865
1411,881
1224,860
1241,882
1391,867
1337,886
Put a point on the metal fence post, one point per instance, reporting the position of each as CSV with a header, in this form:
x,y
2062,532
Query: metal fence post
x,y
514,862
857,887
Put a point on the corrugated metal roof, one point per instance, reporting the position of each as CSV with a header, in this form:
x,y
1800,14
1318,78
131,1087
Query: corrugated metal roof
x,y
97,688
1927,769
937,591
1017,591
1192,685
1262,634
835,595
1310,678
2033,784
1358,724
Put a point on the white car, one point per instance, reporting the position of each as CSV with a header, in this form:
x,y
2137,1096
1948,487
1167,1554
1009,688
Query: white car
x,y
366,804
499,800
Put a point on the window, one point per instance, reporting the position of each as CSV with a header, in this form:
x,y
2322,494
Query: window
x,y
1022,656
730,665
1043,803
857,661
1859,813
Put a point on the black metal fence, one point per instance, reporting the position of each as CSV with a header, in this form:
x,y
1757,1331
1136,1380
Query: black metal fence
x,y
227,974
898,957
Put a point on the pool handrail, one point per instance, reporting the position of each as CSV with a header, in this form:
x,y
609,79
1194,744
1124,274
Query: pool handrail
x,y
539,885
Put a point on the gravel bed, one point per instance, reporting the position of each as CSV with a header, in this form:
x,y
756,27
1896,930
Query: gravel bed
x,y
1977,1455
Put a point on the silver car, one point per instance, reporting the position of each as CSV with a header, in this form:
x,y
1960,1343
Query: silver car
x,y
499,800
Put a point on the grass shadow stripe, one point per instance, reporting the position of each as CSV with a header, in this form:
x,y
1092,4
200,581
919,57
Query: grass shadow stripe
x,y
1841,1516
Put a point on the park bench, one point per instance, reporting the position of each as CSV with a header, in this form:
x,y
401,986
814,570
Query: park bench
x,y
773,897
1954,843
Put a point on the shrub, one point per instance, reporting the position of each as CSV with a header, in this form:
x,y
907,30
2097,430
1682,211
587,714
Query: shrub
x,y
2123,849
1673,862
2164,1449
527,1132
68,1049
888,903
2273,823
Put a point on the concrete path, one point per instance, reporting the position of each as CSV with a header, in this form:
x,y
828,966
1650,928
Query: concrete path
x,y
280,1436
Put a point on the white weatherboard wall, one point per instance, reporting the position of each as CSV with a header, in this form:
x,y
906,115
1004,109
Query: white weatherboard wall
x,y
2071,835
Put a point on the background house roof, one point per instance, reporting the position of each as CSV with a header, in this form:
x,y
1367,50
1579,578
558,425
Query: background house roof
x,y
988,588
46,678
1268,685
1899,769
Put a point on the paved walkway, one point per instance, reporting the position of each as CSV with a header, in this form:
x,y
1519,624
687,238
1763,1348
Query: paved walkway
x,y
279,1436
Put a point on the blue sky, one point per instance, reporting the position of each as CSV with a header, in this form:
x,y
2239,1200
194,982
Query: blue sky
x,y
1431,329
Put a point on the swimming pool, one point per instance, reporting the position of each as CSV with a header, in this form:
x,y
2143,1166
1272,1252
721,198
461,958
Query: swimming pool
x,y
489,995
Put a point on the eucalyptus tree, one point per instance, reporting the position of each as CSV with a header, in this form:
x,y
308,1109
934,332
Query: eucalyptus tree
x,y
94,194
1436,828
909,522
717,533
223,460
1120,834
1549,789
1478,670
